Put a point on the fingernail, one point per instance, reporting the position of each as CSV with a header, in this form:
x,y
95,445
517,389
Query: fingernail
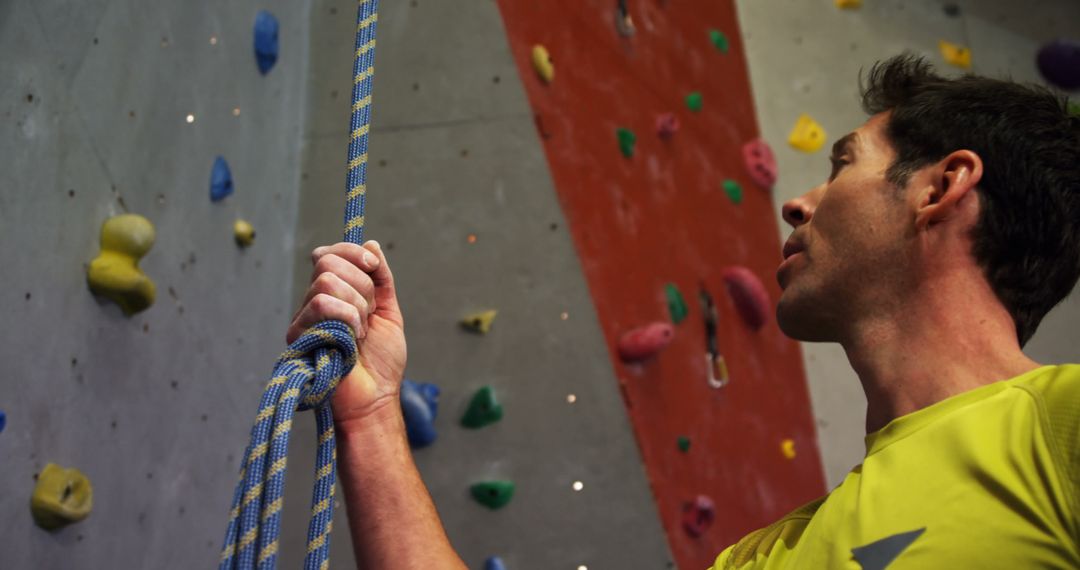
x,y
318,251
375,243
370,259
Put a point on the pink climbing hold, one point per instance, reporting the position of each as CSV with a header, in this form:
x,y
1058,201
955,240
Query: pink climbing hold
x,y
760,163
667,125
749,295
644,342
698,515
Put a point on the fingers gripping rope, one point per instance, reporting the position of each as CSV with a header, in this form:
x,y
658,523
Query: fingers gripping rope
x,y
304,378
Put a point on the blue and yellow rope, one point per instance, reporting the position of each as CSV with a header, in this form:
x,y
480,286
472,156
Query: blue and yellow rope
x,y
304,378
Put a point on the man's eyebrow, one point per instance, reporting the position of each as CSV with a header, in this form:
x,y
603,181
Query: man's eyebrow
x,y
843,145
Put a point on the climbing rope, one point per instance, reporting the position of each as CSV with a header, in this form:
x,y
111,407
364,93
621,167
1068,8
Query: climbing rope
x,y
304,378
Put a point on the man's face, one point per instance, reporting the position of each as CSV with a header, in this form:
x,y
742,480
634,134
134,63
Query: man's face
x,y
848,255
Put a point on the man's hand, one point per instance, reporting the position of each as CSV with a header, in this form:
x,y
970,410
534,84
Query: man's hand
x,y
353,284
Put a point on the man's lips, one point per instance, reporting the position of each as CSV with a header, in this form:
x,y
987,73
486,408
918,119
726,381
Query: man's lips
x,y
791,248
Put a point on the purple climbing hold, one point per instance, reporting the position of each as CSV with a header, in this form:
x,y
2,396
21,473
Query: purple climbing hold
x,y
494,563
419,404
1059,63
266,41
221,184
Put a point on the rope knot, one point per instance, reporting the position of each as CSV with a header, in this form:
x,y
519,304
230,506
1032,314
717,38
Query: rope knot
x,y
324,354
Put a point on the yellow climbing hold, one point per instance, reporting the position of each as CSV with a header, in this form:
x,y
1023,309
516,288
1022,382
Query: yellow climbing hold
x,y
787,447
849,4
61,497
244,233
479,322
542,63
808,135
115,273
957,55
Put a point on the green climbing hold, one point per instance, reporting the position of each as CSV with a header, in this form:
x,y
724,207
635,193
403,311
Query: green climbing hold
x,y
675,302
493,494
684,443
693,101
733,191
483,409
719,40
1074,108
627,139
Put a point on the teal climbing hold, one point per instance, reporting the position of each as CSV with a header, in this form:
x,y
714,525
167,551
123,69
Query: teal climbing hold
x,y
627,139
493,494
684,443
676,303
693,101
719,40
483,410
733,191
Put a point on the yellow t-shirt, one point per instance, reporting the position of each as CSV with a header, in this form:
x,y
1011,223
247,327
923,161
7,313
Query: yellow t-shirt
x,y
985,479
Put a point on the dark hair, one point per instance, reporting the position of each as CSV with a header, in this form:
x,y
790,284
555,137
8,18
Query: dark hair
x,y
1027,238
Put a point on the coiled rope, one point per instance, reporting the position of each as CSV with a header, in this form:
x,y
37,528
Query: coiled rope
x,y
304,378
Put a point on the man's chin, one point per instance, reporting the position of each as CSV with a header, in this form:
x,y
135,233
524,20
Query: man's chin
x,y
799,321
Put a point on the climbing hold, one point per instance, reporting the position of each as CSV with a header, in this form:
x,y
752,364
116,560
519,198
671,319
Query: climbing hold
x,y
542,63
848,4
719,40
698,515
3,420
760,163
623,23
749,295
693,101
957,55
667,125
266,41
684,443
244,233
61,497
787,447
626,141
479,322
733,191
1059,63
115,273
419,404
221,184
483,410
807,135
644,342
494,563
493,494
1074,108
675,302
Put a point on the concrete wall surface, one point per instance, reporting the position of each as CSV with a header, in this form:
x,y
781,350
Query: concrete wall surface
x,y
154,408
805,57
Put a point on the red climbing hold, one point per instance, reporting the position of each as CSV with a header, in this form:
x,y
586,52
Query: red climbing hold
x,y
698,515
760,163
749,295
644,342
667,125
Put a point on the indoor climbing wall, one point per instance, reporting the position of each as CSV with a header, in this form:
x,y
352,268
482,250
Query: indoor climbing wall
x,y
461,198
644,114
114,107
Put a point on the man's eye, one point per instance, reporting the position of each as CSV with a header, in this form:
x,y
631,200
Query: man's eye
x,y
837,165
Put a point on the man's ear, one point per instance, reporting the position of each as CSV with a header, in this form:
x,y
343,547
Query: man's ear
x,y
952,179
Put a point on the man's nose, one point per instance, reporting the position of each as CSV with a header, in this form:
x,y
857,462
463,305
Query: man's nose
x,y
799,211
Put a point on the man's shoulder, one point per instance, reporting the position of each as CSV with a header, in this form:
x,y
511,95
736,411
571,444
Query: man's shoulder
x,y
1057,386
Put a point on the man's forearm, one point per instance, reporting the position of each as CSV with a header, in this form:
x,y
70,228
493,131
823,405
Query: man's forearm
x,y
392,519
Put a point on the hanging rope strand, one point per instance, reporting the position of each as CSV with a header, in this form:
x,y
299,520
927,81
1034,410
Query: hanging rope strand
x,y
304,378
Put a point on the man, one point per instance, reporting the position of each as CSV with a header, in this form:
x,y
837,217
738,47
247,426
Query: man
x,y
948,227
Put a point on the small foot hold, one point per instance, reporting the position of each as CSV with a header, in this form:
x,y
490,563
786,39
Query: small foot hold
x,y
61,497
627,140
483,409
221,183
676,303
698,515
954,54
493,494
807,135
266,41
787,447
479,322
244,233
541,60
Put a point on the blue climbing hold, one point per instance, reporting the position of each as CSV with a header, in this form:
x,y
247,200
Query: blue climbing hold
x,y
494,563
220,180
419,404
3,420
266,41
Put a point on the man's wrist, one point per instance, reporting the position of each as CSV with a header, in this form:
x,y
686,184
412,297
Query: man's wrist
x,y
386,419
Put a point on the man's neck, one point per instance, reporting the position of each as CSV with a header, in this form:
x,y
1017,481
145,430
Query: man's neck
x,y
952,338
